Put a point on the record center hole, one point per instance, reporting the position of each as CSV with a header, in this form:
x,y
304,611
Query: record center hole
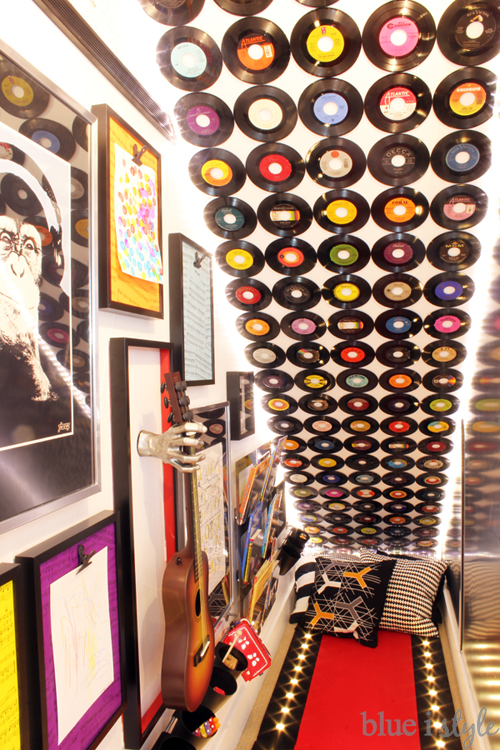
x,y
22,195
352,355
440,405
231,219
397,291
397,355
467,99
459,208
400,381
45,142
274,381
255,51
400,210
275,168
398,38
203,121
303,327
452,252
189,60
447,323
290,257
257,327
330,108
216,173
282,216
443,355
247,295
397,104
345,292
398,160
358,404
17,91
449,290
296,293
341,212
399,324
325,44
335,164
474,30
307,355
344,254
462,157
265,115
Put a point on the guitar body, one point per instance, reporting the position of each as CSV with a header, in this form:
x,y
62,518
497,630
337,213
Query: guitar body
x,y
184,676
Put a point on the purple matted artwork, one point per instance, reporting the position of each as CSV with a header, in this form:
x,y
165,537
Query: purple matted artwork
x,y
93,721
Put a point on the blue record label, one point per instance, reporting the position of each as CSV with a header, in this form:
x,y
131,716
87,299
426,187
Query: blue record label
x,y
398,324
331,109
229,218
462,157
188,60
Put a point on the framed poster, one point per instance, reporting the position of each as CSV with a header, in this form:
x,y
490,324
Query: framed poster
x,y
130,256
73,635
47,341
191,309
144,495
13,705
240,395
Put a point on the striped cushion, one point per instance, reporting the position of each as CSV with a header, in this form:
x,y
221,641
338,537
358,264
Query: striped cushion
x,y
411,594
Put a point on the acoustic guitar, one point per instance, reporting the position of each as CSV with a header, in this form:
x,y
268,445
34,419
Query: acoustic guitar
x,y
188,653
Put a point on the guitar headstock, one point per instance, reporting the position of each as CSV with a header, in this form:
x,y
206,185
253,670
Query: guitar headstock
x,y
177,398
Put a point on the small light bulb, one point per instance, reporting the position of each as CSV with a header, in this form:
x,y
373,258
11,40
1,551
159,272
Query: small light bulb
x,y
440,743
425,643
436,725
294,681
433,692
429,679
434,707
299,669
427,654
428,666
280,727
285,710
289,695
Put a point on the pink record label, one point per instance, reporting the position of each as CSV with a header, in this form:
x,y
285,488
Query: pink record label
x,y
447,324
203,120
303,326
398,37
459,208
398,103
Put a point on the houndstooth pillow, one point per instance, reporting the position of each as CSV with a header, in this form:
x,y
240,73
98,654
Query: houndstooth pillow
x,y
411,593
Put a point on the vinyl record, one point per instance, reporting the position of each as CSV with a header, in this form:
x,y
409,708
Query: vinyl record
x,y
451,289
284,425
348,326
398,103
58,334
400,325
340,531
292,257
487,380
337,502
79,188
459,207
248,294
344,253
341,211
314,381
80,132
189,58
244,7
401,495
325,42
363,463
296,293
398,252
469,32
295,444
19,196
434,427
346,291
453,251
398,160
304,504
79,227
399,35
49,309
302,478
203,119
359,404
367,530
367,506
330,107
73,359
465,98
241,259
338,519
318,404
172,13
397,290
9,152
366,501
275,167
360,425
265,113
398,353
444,381
357,381
80,305
398,463
335,162
257,326
462,156
365,444
396,445
327,444
285,214
261,354
294,462
399,380
308,354
255,50
230,218
396,507
434,463
216,171
21,95
274,381
400,209
51,135
447,353
278,404
331,478
303,326
399,404
399,426
447,324
352,354
431,446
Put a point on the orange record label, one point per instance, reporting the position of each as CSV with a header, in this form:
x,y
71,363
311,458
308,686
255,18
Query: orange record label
x,y
468,99
256,51
400,210
279,404
257,327
341,212
325,44
216,172
400,381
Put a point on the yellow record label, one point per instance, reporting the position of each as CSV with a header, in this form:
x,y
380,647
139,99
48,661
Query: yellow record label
x,y
315,381
279,404
328,463
257,327
325,44
360,425
483,426
341,212
10,86
438,427
468,99
346,292
444,354
239,259
82,228
216,172
400,210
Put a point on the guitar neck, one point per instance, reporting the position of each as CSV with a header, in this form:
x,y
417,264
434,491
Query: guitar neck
x,y
193,542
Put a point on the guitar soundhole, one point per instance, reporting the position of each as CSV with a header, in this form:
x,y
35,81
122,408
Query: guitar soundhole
x,y
197,604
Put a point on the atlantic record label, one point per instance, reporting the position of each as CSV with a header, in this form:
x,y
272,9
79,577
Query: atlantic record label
x,y
341,211
325,42
463,156
465,98
296,293
21,95
350,326
330,107
459,207
230,218
265,113
346,291
172,12
336,163
275,167
303,326
344,253
398,160
399,35
189,58
398,103
255,50
285,214
217,172
400,209
203,119
241,259
469,33
291,257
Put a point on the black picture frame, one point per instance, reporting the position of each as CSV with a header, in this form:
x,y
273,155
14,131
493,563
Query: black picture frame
x,y
42,567
240,394
191,309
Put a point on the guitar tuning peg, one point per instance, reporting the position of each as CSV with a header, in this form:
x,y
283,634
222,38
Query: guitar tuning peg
x,y
181,385
170,417
184,401
162,387
166,402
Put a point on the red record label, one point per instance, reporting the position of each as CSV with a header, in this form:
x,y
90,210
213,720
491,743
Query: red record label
x,y
352,354
248,295
290,257
399,426
275,168
398,253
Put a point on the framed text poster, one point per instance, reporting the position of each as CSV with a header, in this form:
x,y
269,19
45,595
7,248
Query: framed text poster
x,y
130,257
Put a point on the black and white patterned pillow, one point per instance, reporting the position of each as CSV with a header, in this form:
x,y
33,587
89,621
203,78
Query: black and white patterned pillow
x,y
304,582
347,598
411,594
